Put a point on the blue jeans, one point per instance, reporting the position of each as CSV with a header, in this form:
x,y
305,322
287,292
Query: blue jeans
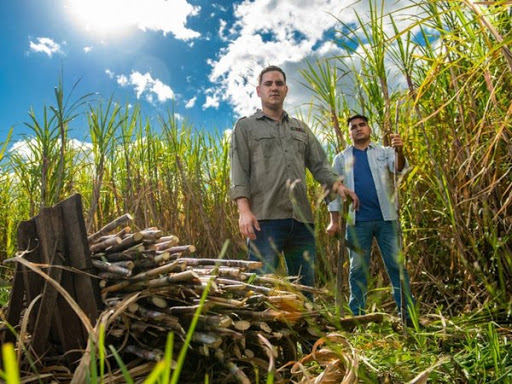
x,y
294,239
359,240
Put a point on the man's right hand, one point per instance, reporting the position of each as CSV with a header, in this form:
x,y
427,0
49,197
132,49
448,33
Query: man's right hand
x,y
247,222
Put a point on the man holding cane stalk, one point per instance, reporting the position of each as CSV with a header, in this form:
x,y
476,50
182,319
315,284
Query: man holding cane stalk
x,y
367,169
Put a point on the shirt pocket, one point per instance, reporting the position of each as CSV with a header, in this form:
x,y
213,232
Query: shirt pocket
x,y
265,145
382,159
300,140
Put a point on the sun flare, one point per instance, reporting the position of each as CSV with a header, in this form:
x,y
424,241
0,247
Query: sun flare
x,y
103,17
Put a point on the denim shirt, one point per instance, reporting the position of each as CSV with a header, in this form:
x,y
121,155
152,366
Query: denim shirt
x,y
382,166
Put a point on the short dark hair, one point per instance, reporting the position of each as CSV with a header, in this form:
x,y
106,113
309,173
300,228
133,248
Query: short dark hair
x,y
349,120
270,68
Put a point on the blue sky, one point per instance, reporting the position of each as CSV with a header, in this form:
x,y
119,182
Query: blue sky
x,y
199,56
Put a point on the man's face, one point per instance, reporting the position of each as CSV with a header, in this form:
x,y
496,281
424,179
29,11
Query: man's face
x,y
360,131
272,90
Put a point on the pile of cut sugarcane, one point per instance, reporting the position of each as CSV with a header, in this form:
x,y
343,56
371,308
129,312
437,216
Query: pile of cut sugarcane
x,y
247,323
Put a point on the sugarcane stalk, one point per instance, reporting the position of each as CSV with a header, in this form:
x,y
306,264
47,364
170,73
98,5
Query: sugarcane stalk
x,y
229,263
157,316
151,234
128,264
107,242
219,271
114,275
165,245
158,301
237,373
146,354
232,303
127,243
242,325
258,288
122,220
166,268
114,257
165,239
112,268
181,249
210,339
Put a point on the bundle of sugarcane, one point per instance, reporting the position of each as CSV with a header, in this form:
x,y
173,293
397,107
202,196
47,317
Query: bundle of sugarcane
x,y
158,284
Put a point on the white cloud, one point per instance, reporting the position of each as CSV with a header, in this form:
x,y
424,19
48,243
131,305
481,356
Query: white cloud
x,y
222,28
146,86
212,98
109,73
167,16
87,49
284,33
45,45
191,102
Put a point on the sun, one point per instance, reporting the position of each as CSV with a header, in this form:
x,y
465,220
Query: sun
x,y
103,17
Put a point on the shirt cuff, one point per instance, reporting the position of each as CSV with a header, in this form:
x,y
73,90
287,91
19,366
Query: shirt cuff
x,y
238,191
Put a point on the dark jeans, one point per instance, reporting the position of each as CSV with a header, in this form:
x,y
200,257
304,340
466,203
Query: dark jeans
x,y
294,239
359,240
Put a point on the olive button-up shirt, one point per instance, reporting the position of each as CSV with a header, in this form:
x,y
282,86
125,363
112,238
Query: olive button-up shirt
x,y
268,166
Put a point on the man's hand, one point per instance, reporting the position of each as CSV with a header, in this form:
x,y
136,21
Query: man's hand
x,y
396,142
347,194
247,222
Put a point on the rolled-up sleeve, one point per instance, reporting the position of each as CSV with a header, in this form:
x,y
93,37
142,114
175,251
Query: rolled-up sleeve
x,y
240,163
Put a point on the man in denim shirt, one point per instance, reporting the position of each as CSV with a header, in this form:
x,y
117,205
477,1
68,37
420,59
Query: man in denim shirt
x,y
269,153
367,169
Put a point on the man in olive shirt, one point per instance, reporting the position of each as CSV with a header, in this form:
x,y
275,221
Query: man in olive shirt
x,y
270,152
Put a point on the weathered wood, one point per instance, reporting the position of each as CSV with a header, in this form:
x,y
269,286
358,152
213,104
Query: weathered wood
x,y
26,284
54,313
86,291
123,220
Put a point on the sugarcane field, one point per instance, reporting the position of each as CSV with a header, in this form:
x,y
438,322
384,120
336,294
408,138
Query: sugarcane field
x,y
358,234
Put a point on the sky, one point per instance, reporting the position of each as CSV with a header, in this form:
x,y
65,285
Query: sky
x,y
199,58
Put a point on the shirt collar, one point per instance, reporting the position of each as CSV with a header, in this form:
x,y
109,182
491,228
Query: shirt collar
x,y
260,115
372,145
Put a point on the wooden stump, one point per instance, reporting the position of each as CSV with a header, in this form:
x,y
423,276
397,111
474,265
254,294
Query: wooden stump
x,y
56,240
